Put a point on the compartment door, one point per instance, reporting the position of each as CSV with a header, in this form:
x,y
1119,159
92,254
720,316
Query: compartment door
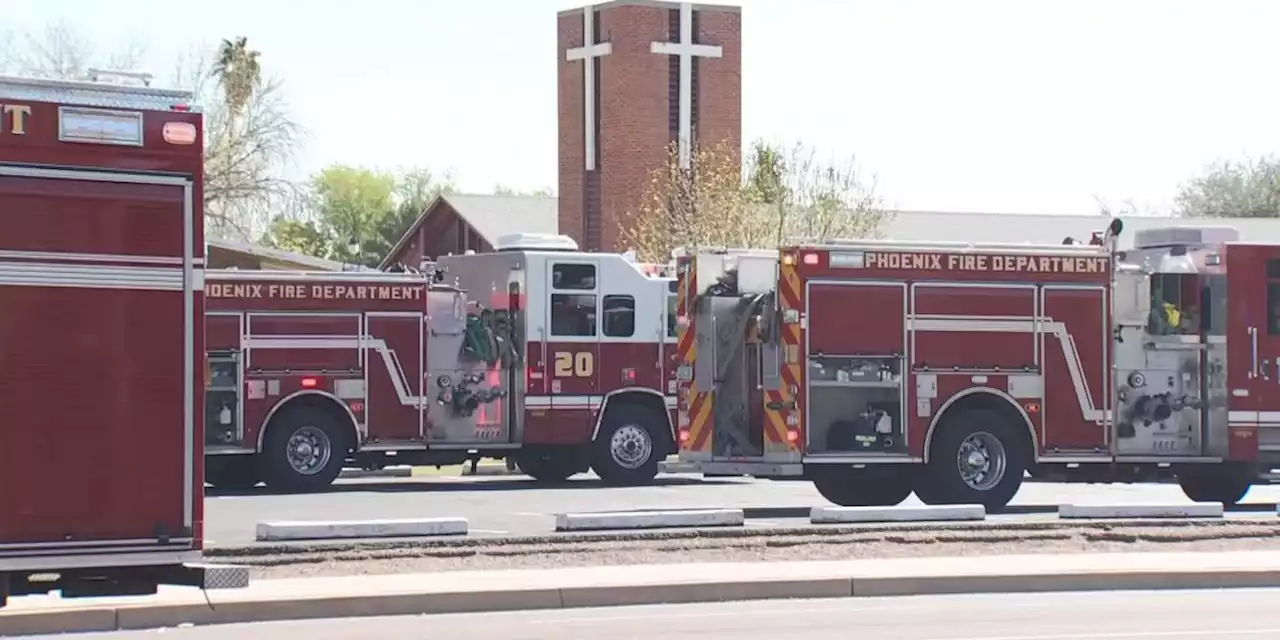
x,y
852,319
1253,349
1075,328
101,362
394,371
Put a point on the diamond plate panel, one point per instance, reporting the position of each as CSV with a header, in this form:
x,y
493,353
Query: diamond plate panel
x,y
222,576
92,94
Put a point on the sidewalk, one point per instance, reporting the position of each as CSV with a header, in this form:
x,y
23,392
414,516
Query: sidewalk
x,y
474,591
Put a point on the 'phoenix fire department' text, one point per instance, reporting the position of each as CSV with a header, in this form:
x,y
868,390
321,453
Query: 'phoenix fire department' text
x,y
313,292
954,262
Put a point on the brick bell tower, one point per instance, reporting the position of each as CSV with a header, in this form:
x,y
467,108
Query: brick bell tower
x,y
634,77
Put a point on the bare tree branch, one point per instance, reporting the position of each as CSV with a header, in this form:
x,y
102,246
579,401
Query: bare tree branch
x,y
772,197
59,50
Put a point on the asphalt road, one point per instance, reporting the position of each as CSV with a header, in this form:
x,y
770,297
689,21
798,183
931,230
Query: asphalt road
x,y
1167,615
498,506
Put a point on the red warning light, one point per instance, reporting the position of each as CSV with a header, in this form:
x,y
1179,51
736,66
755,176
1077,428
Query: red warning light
x,y
310,383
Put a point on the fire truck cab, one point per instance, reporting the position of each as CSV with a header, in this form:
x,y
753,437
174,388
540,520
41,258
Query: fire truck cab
x,y
558,359
875,369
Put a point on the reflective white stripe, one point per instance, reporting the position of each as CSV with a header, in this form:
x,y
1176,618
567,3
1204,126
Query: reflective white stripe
x,y
92,257
111,558
1254,417
45,274
1070,353
389,359
576,402
563,402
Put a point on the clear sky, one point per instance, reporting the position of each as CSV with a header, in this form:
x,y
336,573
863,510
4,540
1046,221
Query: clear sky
x,y
965,105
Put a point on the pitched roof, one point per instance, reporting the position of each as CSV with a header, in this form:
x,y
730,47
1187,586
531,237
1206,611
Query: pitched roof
x,y
279,256
495,216
492,216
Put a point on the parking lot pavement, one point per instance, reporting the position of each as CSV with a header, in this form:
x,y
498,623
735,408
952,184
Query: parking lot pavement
x,y
518,506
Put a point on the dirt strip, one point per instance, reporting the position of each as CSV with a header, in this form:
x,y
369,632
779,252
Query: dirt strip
x,y
884,543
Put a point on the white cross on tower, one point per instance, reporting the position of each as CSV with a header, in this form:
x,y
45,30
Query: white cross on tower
x,y
686,49
588,53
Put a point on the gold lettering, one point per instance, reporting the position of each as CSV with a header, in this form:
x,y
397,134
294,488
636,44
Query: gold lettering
x,y
18,114
970,262
315,292
574,365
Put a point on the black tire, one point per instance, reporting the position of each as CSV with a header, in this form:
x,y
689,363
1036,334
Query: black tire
x,y
308,469
631,442
873,486
232,472
549,465
992,478
1225,483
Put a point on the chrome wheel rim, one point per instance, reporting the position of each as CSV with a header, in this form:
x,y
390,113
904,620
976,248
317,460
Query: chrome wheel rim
x,y
631,447
308,450
982,461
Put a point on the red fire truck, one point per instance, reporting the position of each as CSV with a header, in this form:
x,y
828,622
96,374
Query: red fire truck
x,y
875,369
100,338
560,359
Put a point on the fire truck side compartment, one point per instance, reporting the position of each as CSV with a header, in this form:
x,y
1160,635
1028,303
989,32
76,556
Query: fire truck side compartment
x,y
99,313
856,350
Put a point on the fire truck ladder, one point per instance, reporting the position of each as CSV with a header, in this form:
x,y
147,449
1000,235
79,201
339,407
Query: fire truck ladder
x,y
731,392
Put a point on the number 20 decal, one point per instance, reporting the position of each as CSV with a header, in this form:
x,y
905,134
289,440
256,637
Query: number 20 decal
x,y
574,365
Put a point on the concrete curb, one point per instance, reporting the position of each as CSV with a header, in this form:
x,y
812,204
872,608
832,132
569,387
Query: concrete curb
x,y
427,601
1114,511
336,530
939,513
626,520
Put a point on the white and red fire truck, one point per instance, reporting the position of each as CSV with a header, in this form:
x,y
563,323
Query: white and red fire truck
x,y
560,359
876,369
101,338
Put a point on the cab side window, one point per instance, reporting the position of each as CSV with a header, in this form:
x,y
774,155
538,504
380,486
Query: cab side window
x,y
1273,297
619,316
573,301
671,315
1174,304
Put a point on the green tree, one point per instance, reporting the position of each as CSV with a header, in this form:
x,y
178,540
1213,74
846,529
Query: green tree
x,y
238,73
1244,188
355,214
415,189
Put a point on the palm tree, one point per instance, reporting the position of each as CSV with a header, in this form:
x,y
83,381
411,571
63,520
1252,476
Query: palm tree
x,y
238,73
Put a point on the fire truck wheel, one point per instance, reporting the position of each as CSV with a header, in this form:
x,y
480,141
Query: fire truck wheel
x,y
303,450
233,473
977,457
872,486
631,442
1225,483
